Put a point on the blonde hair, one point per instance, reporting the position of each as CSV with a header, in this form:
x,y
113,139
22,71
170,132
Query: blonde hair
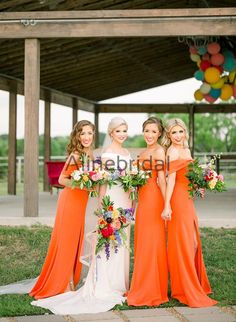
x,y
158,122
75,143
114,123
166,142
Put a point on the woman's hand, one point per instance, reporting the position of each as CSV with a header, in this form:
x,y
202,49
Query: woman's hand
x,y
166,213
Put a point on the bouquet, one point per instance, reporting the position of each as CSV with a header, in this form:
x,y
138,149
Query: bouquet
x,y
203,177
111,226
88,176
132,179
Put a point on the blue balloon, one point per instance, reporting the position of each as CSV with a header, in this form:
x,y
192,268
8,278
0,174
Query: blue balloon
x,y
229,64
202,50
199,75
215,92
228,53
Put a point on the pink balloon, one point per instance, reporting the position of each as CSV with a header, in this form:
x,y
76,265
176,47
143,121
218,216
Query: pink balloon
x,y
234,91
209,98
206,56
217,59
213,48
193,50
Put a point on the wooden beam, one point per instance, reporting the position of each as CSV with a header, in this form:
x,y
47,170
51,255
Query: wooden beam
x,y
47,142
74,112
12,143
57,97
119,23
191,129
32,88
166,108
96,123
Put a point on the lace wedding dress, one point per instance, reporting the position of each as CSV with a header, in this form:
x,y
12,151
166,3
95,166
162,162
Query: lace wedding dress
x,y
107,280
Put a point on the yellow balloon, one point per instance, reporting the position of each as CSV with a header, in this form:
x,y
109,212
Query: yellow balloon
x,y
198,95
218,84
199,63
212,75
232,77
226,92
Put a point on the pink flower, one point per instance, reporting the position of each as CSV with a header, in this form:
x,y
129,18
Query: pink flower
x,y
220,177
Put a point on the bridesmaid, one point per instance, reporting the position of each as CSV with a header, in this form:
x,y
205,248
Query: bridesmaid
x,y
150,276
189,281
61,269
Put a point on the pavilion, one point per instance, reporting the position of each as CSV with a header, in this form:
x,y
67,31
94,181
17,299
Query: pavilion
x,y
77,53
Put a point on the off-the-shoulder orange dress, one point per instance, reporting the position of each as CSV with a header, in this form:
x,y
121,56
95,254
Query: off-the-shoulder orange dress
x,y
150,276
62,260
189,281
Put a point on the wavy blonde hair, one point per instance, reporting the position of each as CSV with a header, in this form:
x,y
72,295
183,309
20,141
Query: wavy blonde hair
x,y
75,143
158,122
166,142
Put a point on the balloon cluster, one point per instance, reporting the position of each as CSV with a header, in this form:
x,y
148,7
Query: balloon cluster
x,y
217,72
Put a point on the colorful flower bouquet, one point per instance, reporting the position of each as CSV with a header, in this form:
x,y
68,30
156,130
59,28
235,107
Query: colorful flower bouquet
x,y
88,176
203,177
133,178
111,226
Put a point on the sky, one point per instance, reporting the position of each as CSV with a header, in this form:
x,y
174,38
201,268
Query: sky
x,y
61,116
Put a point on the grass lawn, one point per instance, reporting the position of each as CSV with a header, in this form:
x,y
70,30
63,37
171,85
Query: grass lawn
x,y
22,252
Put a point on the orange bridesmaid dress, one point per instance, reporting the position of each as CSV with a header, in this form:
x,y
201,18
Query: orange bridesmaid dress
x,y
150,276
62,260
189,281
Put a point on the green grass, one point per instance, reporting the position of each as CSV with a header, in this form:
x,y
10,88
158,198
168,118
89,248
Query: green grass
x,y
22,252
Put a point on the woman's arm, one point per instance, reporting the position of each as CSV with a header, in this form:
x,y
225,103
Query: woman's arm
x,y
64,180
172,155
160,157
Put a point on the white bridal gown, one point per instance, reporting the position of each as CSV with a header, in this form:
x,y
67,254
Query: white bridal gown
x,y
107,280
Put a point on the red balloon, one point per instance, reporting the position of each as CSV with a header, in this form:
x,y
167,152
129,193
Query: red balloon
x,y
217,59
204,65
209,98
220,68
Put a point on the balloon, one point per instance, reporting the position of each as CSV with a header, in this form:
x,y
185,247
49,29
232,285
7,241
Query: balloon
x,y
234,91
199,75
218,84
232,77
226,92
205,64
217,59
205,88
193,50
215,93
199,63
228,53
213,48
206,57
202,50
212,75
229,64
198,95
209,98
195,57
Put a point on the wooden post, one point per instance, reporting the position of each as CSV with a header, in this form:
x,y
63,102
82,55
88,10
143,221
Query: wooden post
x,y
31,90
12,143
74,112
191,129
96,121
47,142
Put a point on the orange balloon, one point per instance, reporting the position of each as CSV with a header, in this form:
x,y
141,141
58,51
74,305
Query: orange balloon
x,y
226,92
212,75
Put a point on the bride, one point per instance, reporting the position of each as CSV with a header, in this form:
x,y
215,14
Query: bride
x,y
107,280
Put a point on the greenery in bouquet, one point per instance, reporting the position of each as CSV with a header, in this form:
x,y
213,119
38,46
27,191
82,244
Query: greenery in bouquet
x,y
133,178
203,177
111,226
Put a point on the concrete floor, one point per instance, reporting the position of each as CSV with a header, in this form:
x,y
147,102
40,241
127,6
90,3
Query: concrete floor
x,y
215,210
